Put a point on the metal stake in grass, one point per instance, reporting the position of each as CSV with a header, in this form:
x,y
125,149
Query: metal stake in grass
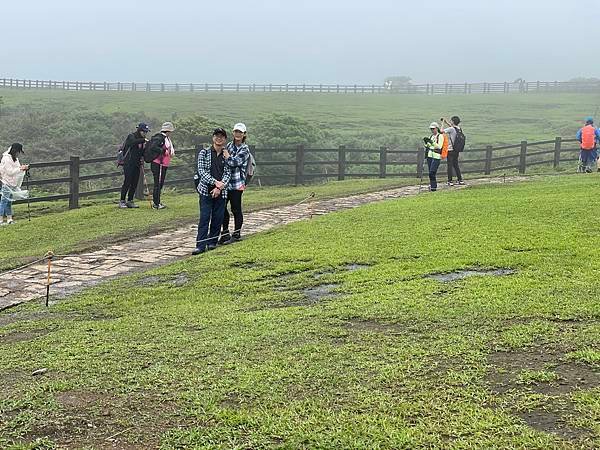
x,y
49,255
27,177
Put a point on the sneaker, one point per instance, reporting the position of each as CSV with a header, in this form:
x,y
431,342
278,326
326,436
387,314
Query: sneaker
x,y
450,183
198,250
225,238
10,222
211,246
234,238
131,205
122,204
159,206
432,189
462,183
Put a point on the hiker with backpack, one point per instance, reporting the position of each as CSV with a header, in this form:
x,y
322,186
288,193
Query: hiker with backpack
x,y
131,158
456,144
434,147
213,177
158,152
588,137
237,156
12,173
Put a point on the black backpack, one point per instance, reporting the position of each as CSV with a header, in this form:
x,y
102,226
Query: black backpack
x,y
459,142
154,147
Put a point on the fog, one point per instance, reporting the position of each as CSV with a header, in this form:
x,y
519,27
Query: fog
x,y
327,41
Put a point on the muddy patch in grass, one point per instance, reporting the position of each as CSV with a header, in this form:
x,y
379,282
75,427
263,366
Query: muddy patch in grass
x,y
155,280
460,274
546,372
22,336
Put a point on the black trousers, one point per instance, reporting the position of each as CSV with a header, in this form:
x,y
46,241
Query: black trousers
x,y
453,165
132,177
235,199
160,173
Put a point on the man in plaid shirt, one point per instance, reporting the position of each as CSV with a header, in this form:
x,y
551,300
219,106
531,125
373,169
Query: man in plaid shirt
x,y
214,176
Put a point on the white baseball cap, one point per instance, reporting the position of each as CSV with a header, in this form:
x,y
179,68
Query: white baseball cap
x,y
239,127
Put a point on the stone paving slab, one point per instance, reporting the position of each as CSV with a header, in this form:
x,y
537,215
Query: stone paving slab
x,y
76,272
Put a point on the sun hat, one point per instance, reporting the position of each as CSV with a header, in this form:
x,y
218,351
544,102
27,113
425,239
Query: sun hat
x,y
433,125
167,126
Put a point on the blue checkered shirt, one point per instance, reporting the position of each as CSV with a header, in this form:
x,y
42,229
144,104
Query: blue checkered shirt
x,y
237,162
206,179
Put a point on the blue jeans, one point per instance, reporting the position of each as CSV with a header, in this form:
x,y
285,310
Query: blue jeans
x,y
587,158
212,211
433,165
6,202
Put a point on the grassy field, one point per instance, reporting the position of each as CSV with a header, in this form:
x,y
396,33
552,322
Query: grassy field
x,y
368,120
100,223
331,333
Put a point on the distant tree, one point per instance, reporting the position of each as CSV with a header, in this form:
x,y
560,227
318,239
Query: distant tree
x,y
396,81
585,80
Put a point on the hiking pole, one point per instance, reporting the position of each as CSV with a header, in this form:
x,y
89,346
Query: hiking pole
x,y
48,255
27,176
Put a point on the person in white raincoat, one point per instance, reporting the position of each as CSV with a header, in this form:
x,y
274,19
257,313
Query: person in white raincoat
x,y
11,174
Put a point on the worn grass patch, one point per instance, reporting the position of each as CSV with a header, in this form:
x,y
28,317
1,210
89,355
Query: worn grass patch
x,y
238,356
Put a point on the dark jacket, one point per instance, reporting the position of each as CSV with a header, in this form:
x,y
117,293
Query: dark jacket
x,y
134,148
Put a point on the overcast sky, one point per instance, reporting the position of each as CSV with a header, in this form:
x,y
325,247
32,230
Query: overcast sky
x,y
312,41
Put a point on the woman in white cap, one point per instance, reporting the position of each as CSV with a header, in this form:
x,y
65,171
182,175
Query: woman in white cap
x,y
161,163
434,145
236,157
11,173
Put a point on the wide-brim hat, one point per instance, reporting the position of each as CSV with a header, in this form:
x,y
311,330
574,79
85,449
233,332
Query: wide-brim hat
x,y
167,126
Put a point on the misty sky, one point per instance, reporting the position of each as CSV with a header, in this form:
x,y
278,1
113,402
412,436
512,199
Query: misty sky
x,y
312,41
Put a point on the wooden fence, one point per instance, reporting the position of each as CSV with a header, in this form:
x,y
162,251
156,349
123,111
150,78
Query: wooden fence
x,y
428,89
300,165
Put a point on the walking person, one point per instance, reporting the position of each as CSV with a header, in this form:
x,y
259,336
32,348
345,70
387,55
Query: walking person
x,y
454,151
133,164
12,173
588,137
213,177
161,163
236,157
434,145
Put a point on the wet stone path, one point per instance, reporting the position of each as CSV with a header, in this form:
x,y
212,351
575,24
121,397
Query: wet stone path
x,y
75,272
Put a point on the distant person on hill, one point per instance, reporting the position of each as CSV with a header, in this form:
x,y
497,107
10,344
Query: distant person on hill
x,y
453,153
213,178
133,163
236,156
433,146
160,165
11,173
588,137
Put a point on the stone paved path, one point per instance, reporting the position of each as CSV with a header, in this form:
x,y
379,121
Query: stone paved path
x,y
75,272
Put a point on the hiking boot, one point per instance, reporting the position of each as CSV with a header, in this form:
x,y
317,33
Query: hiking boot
x,y
198,250
131,205
122,204
225,238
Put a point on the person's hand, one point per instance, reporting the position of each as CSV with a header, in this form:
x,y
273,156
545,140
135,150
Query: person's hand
x,y
220,185
215,192
25,167
226,154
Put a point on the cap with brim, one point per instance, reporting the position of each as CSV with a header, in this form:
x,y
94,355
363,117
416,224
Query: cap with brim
x,y
239,127
143,127
219,131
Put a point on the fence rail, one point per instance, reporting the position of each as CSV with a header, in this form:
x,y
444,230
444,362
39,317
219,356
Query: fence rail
x,y
299,167
522,87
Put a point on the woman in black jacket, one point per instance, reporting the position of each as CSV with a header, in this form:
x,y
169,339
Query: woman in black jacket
x,y
133,151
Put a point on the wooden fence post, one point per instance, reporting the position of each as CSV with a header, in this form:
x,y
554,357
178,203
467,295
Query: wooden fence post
x,y
299,165
557,145
488,160
420,161
74,184
341,163
523,157
382,161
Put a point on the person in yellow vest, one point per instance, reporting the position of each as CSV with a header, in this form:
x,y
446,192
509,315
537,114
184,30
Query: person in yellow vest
x,y
433,147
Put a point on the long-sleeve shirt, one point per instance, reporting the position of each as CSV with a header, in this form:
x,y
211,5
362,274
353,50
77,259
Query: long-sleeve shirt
x,y
134,149
10,170
436,144
237,162
207,180
168,151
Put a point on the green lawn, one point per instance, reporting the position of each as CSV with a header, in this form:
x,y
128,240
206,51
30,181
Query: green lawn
x,y
100,223
236,349
368,120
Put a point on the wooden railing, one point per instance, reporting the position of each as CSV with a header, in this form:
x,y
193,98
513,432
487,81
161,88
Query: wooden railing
x,y
522,87
299,165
